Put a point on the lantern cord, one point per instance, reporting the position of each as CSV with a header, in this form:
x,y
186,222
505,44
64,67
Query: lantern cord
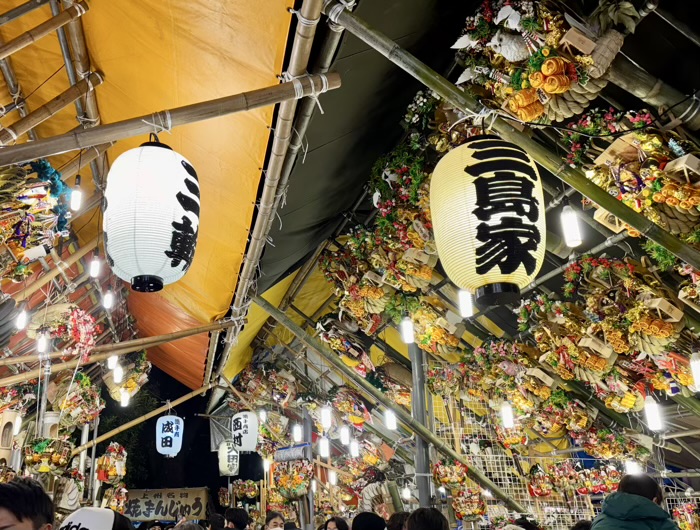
x,y
162,122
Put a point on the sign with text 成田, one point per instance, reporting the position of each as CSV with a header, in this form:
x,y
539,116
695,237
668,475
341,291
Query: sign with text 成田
x,y
167,504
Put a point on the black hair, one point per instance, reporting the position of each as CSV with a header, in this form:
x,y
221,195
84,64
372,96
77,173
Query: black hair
x,y
238,517
25,498
642,485
526,524
122,522
216,521
190,526
427,519
340,523
271,516
397,521
368,521
582,525
290,525
152,524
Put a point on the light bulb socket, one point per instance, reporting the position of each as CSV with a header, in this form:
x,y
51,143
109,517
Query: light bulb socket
x,y
78,180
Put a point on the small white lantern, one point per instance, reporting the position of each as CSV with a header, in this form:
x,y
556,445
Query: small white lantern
x,y
169,433
151,217
244,431
229,459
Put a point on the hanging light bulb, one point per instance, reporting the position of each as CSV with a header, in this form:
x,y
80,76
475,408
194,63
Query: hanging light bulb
x,y
406,493
695,368
354,448
390,420
17,426
442,490
345,435
313,485
487,494
324,447
22,318
570,226
507,417
297,433
326,417
407,333
466,303
262,414
112,362
125,397
633,468
108,300
118,373
652,413
332,477
95,264
76,196
266,465
42,342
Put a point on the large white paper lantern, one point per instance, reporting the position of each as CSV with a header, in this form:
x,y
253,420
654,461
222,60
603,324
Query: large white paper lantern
x,y
244,431
488,216
169,433
229,460
151,219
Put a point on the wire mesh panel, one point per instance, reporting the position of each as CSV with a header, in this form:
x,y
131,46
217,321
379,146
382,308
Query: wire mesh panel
x,y
683,506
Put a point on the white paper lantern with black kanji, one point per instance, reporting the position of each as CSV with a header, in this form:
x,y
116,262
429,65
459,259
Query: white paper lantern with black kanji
x,y
151,219
229,459
169,433
244,431
488,216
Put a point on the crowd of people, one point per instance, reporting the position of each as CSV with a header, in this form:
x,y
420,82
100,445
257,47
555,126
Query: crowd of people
x,y
24,505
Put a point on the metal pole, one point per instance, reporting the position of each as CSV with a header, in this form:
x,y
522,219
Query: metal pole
x,y
84,438
44,398
474,473
681,434
308,438
422,457
21,10
93,455
541,154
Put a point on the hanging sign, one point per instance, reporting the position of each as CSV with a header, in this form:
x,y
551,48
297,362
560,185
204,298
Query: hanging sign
x,y
169,432
167,504
296,452
229,460
244,431
488,215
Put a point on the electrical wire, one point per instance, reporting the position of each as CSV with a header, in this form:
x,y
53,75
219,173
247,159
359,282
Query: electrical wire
x,y
45,81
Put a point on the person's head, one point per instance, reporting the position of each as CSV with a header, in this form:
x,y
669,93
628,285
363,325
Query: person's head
x,y
642,485
526,524
274,521
189,526
24,505
290,525
397,521
102,518
336,523
427,519
216,522
154,525
236,518
368,521
582,525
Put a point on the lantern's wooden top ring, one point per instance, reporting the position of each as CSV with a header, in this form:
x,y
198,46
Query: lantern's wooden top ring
x,y
497,294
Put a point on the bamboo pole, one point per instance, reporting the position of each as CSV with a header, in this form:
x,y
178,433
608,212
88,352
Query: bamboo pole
x,y
46,278
43,29
247,403
165,120
542,155
128,346
474,473
21,10
10,134
141,419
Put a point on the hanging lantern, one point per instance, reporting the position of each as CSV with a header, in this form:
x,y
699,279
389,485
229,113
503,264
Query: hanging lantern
x,y
244,431
169,432
488,217
228,459
151,218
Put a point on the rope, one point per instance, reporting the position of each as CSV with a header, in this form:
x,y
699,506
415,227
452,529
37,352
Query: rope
x,y
308,22
335,11
286,77
165,120
89,122
694,106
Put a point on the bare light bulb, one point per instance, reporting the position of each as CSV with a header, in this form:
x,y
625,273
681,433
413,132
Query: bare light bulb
x,y
42,342
507,416
297,433
390,420
326,418
442,490
466,304
118,374
76,196
108,300
633,468
487,494
324,447
266,465
112,361
354,448
652,414
262,414
332,477
570,226
17,426
345,435
695,369
407,332
95,265
125,397
313,485
406,493
22,319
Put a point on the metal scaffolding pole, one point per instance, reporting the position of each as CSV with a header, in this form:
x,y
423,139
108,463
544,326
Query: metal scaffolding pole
x,y
422,456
